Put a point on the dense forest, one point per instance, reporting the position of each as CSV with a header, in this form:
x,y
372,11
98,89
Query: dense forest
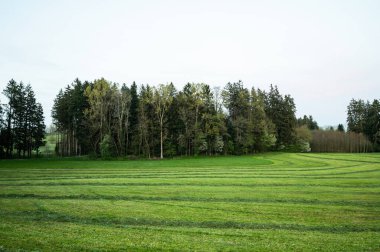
x,y
105,119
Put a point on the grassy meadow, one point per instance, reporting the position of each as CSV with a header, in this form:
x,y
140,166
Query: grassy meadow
x,y
277,202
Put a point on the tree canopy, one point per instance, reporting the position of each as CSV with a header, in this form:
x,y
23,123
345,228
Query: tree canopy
x,y
106,119
163,121
22,127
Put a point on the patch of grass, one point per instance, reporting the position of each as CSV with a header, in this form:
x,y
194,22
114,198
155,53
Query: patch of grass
x,y
280,202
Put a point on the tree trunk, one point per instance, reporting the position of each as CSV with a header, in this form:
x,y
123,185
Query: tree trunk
x,y
162,150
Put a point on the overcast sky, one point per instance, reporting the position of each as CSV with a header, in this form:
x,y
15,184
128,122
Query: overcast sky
x,y
323,53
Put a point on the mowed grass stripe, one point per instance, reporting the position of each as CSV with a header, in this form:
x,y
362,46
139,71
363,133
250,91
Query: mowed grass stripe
x,y
173,184
301,176
233,189
342,159
193,199
81,172
43,215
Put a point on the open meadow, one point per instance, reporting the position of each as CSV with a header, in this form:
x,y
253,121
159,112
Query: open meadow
x,y
276,201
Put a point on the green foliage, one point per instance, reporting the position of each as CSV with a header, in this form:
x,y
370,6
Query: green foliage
x,y
161,101
68,115
356,115
133,120
107,150
304,138
308,121
158,121
24,128
281,111
364,117
304,133
340,128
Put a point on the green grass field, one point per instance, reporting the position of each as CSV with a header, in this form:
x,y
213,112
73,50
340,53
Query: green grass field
x,y
278,202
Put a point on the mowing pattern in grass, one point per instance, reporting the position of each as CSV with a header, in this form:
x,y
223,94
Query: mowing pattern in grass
x,y
267,202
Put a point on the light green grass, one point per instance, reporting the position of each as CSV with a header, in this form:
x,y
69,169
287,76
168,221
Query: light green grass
x,y
276,202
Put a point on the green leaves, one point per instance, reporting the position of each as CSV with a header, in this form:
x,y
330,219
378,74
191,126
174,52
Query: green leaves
x,y
24,127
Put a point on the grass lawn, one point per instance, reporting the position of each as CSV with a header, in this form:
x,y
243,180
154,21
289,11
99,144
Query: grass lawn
x,y
277,202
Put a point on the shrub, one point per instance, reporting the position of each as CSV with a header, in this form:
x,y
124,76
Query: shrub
x,y
107,147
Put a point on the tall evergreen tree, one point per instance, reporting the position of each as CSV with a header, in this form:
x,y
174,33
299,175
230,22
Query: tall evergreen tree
x,y
31,119
38,128
22,113
371,125
340,127
132,138
10,92
308,121
69,118
281,111
2,132
146,125
356,115
236,99
174,126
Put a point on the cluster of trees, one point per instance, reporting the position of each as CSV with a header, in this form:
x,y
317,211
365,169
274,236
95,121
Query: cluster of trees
x,y
331,140
104,118
363,130
307,121
364,118
22,125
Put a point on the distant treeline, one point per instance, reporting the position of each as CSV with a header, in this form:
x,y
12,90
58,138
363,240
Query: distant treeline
x,y
105,119
338,141
363,132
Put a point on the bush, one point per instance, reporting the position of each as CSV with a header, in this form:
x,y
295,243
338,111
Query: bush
x,y
107,147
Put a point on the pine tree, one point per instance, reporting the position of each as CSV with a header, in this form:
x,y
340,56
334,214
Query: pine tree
x,y
38,128
371,125
356,115
2,132
132,139
281,111
31,111
308,121
340,127
22,113
236,99
145,122
174,126
10,93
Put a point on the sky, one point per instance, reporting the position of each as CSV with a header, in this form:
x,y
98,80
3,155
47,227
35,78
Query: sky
x,y
322,53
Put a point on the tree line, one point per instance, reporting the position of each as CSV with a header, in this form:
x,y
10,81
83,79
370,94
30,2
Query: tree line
x,y
105,119
363,130
108,119
363,117
22,127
